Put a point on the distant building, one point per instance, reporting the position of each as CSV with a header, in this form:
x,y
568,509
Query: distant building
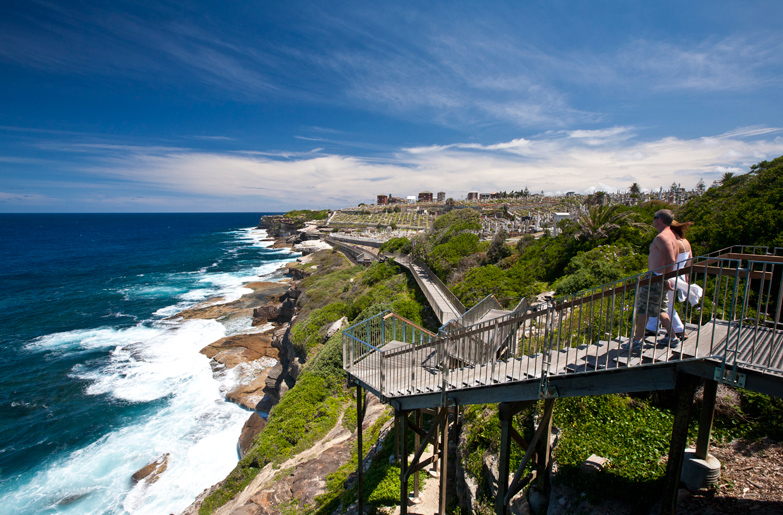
x,y
473,195
396,200
411,199
383,200
441,196
425,196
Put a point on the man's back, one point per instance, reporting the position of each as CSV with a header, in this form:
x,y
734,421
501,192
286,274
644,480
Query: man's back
x,y
663,250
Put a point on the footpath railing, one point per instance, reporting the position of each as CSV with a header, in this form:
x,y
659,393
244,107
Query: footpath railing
x,y
383,349
736,322
411,263
444,290
475,313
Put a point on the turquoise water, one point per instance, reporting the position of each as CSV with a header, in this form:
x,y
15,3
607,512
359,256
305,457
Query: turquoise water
x,y
94,381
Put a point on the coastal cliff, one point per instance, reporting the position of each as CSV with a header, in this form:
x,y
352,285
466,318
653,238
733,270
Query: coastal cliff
x,y
280,226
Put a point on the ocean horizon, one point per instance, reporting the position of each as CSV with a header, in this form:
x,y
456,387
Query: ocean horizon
x,y
96,382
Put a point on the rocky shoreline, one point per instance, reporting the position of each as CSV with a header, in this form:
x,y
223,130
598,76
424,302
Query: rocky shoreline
x,y
263,360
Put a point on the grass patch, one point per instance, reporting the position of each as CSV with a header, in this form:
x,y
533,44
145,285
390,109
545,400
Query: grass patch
x,y
633,435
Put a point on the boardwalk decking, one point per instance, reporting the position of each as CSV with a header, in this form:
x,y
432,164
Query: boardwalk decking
x,y
404,370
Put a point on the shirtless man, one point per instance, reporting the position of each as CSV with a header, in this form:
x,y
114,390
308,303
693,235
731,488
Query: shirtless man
x,y
652,299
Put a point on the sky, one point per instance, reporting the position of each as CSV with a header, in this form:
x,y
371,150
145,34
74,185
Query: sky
x,y
269,106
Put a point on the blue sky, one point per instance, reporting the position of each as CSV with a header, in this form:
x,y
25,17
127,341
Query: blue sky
x,y
266,106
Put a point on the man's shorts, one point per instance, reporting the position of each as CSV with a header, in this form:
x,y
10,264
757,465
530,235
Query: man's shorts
x,y
649,301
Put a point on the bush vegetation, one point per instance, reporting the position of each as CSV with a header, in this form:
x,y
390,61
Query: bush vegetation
x,y
306,214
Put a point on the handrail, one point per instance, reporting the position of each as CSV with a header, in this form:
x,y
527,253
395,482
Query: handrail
x,y
475,313
455,302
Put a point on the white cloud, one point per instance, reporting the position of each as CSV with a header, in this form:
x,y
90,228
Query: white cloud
x,y
549,163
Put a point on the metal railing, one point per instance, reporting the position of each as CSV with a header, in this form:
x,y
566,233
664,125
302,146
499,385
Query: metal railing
x,y
736,322
388,348
473,315
410,263
453,300
356,255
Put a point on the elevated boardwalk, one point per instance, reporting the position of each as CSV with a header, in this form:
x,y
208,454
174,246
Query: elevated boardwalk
x,y
581,345
443,302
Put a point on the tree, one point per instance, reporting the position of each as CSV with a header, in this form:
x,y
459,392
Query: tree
x,y
726,177
635,189
497,248
700,187
601,221
743,211
596,199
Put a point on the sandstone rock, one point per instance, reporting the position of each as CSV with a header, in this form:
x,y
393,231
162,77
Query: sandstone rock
x,y
262,292
152,471
519,505
287,310
264,314
241,348
593,464
248,509
250,395
490,468
337,326
252,427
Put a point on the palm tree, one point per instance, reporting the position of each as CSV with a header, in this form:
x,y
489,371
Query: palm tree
x,y
601,221
726,177
635,189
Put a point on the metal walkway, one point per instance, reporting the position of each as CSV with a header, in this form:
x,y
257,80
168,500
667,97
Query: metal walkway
x,y
581,345
444,303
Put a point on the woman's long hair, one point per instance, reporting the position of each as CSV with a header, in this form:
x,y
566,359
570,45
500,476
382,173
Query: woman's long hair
x,y
680,228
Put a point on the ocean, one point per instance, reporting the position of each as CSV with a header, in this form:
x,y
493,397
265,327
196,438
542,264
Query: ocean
x,y
95,382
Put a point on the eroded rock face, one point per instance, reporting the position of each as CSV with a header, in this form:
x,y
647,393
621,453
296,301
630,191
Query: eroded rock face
x,y
263,292
241,348
252,427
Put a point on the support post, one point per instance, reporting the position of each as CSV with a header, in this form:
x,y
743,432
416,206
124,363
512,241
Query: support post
x,y
706,419
685,388
444,453
505,414
397,422
544,448
360,453
416,445
403,462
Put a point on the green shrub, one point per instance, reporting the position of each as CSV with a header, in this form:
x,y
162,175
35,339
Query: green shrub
x,y
397,245
307,333
599,266
379,272
307,214
446,256
633,435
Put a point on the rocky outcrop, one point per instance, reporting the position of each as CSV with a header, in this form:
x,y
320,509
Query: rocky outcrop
x,y
151,472
241,348
279,226
263,292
